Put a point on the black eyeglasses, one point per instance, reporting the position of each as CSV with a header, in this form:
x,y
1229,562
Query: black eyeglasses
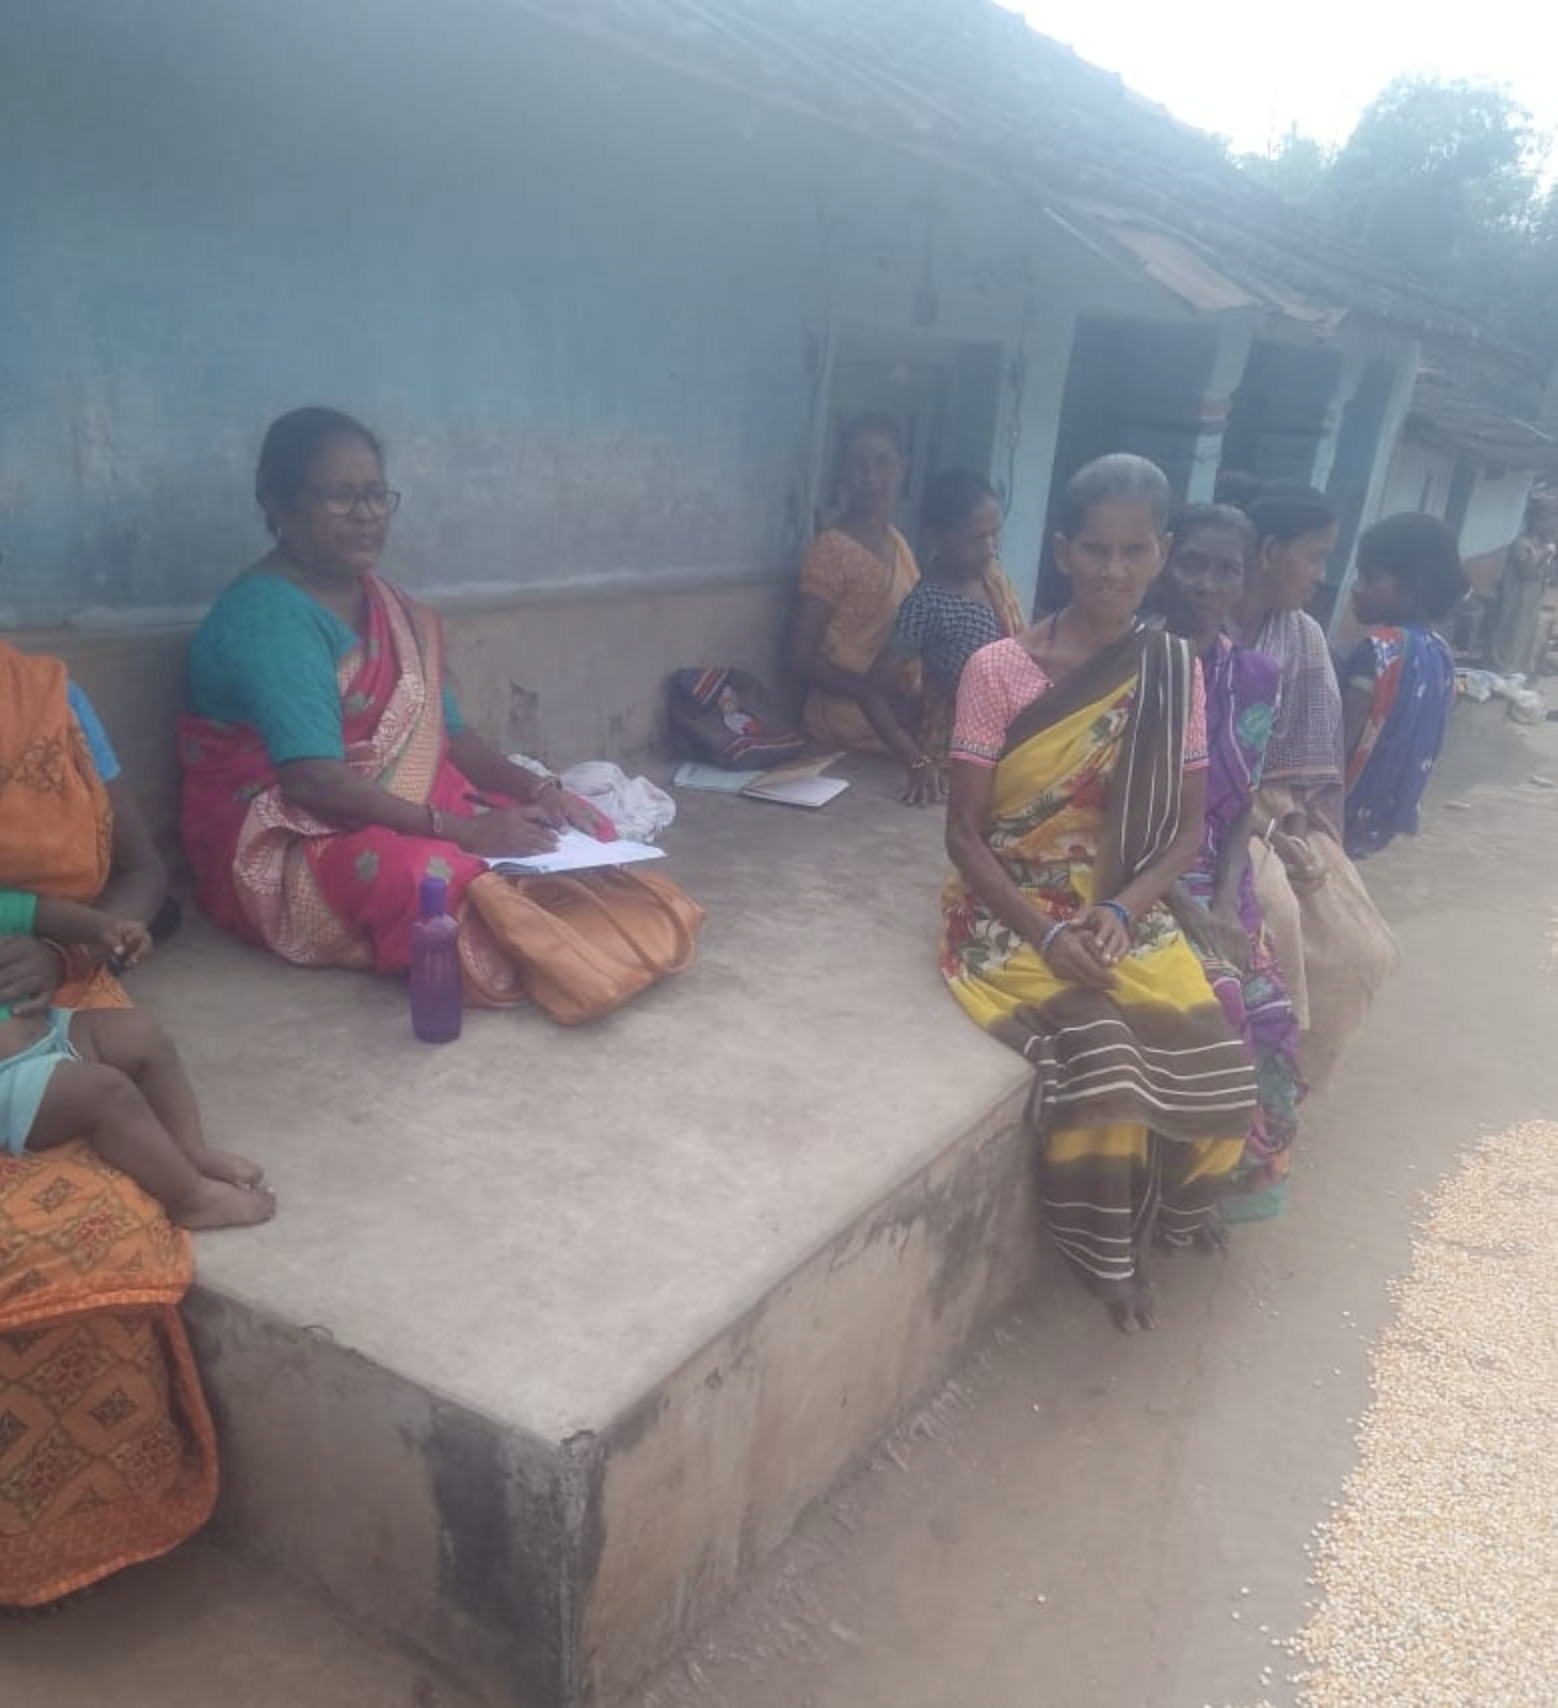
x,y
379,501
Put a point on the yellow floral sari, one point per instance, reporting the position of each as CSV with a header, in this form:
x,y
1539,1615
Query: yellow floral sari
x,y
1143,1094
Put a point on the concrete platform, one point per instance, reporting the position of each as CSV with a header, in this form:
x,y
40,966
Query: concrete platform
x,y
559,1331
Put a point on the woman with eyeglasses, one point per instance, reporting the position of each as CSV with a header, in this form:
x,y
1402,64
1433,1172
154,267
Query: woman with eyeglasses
x,y
327,768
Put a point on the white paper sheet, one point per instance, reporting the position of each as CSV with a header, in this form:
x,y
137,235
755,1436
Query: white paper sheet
x,y
576,851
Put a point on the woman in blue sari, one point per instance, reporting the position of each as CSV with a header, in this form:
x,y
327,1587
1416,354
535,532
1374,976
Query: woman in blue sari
x,y
1399,684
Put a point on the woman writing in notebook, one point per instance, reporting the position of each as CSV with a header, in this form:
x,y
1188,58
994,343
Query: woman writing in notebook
x,y
327,768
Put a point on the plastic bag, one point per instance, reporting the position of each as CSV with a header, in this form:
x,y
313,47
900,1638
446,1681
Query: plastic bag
x,y
638,808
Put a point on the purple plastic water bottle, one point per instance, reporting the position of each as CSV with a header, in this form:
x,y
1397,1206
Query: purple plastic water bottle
x,y
436,998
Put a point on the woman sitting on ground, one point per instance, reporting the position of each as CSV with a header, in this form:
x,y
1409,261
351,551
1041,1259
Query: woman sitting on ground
x,y
963,603
856,575
1077,799
327,768
93,1273
1215,901
1400,680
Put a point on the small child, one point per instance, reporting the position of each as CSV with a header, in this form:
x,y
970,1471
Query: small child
x,y
1399,684
112,1077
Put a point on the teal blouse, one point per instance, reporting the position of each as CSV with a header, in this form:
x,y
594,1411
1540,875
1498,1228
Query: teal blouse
x,y
266,655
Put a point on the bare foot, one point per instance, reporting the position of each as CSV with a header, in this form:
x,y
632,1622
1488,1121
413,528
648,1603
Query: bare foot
x,y
1136,1312
1212,1236
221,1204
229,1166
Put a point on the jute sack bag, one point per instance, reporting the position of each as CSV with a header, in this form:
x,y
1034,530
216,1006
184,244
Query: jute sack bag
x,y
1348,951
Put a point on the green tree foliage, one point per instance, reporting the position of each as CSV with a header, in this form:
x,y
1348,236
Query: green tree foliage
x,y
1296,168
1444,181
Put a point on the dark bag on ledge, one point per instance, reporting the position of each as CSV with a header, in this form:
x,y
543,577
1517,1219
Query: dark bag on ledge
x,y
726,717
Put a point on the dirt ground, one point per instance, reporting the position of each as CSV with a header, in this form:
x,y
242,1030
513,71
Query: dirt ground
x,y
1080,1519
1085,1520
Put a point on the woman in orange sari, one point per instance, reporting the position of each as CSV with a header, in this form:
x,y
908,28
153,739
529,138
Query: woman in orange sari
x,y
856,575
107,1455
327,769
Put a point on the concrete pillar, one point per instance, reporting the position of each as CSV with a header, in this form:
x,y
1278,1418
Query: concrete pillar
x,y
1355,359
1235,337
1371,426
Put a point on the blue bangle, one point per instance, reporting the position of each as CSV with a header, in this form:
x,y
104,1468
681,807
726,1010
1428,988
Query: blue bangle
x,y
1119,910
1053,932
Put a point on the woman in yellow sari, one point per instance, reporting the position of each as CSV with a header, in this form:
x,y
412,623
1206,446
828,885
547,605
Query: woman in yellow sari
x,y
1078,788
107,1454
856,575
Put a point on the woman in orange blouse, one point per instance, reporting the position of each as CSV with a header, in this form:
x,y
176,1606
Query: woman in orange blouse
x,y
856,575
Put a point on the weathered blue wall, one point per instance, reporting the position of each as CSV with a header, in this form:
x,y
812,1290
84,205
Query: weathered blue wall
x,y
589,304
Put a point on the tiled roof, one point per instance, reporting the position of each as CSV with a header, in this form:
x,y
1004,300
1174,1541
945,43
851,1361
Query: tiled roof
x,y
1444,410
968,82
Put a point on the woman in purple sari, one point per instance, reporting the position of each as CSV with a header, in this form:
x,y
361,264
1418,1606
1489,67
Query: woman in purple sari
x,y
1215,900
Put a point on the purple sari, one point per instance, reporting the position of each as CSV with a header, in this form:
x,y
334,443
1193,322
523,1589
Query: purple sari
x,y
1241,699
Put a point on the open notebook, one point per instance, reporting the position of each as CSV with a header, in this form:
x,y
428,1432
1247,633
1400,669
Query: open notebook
x,y
798,784
814,791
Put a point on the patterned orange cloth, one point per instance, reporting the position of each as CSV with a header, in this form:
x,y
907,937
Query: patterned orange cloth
x,y
107,1454
56,825
862,594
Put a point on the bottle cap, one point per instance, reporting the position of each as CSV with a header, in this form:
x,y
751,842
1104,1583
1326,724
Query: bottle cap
x,y
433,896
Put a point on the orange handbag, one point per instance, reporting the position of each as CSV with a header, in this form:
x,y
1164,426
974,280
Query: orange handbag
x,y
584,944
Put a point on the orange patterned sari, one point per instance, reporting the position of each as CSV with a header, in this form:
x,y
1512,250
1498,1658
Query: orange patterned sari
x,y
107,1455
862,594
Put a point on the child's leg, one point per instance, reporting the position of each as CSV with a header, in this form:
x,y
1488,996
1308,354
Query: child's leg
x,y
98,1103
136,1045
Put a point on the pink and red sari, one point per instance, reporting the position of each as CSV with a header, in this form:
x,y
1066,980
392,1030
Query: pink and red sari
x,y
274,875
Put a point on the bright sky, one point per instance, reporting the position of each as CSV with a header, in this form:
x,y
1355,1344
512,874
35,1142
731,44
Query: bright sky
x,y
1248,71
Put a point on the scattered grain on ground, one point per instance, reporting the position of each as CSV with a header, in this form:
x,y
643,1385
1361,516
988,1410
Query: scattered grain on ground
x,y
1438,1576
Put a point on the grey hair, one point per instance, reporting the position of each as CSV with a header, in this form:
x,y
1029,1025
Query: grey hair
x,y
1119,477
